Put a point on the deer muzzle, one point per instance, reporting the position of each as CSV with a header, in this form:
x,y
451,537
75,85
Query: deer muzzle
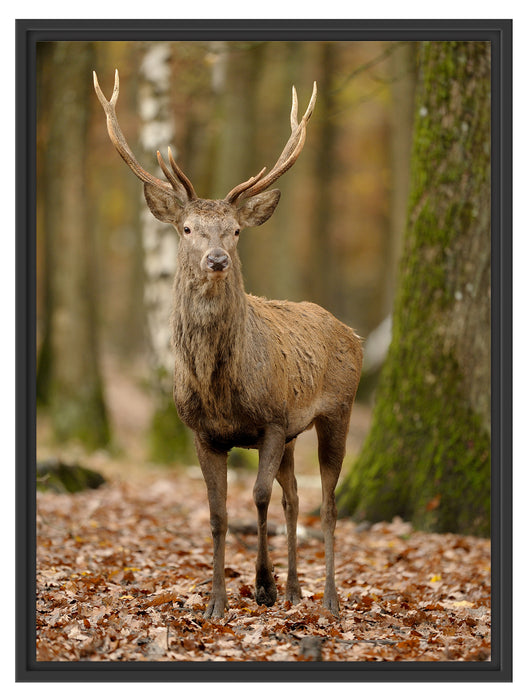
x,y
216,260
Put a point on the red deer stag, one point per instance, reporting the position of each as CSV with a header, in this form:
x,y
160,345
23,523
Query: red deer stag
x,y
249,372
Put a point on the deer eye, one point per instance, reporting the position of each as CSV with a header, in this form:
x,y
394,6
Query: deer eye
x,y
186,229
236,232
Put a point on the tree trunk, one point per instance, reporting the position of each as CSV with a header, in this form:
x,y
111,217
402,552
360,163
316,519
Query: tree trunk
x,y
169,440
159,240
325,281
44,248
427,456
71,383
403,76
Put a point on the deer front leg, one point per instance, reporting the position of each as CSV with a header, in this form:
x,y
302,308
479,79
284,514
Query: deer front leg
x,y
270,455
214,468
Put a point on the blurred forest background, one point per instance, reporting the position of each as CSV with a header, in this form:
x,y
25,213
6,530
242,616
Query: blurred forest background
x,y
105,265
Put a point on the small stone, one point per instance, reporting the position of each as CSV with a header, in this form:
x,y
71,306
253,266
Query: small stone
x,y
310,648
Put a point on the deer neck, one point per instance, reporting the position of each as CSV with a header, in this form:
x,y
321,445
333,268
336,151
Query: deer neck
x,y
209,320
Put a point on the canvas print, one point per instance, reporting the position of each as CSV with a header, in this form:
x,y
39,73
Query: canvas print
x,y
263,351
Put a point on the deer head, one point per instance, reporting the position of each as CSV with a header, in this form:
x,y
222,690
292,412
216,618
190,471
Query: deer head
x,y
208,229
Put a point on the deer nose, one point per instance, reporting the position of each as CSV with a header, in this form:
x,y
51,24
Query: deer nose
x,y
217,260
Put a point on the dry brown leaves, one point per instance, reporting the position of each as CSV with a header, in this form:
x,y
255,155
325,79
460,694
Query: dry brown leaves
x,y
123,574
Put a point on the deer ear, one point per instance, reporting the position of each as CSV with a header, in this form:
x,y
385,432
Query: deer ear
x,y
163,205
256,210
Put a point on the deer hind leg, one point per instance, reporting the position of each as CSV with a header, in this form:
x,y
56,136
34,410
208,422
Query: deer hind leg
x,y
270,455
214,468
287,481
332,434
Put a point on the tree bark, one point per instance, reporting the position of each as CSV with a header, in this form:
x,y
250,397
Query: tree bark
x,y
73,386
324,282
427,456
168,438
403,85
159,240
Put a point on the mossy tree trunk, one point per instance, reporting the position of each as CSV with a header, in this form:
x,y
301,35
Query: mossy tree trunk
x,y
427,456
69,377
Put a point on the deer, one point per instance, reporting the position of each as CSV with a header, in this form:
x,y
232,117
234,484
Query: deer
x,y
249,372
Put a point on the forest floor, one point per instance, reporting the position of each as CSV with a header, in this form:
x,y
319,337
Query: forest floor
x,y
124,574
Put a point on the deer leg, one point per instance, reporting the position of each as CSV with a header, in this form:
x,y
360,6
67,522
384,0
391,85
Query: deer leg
x,y
287,481
331,451
270,455
213,466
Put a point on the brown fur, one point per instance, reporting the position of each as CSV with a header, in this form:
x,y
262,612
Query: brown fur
x,y
250,372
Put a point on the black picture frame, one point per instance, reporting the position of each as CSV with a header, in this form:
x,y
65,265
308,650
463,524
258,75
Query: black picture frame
x,y
499,33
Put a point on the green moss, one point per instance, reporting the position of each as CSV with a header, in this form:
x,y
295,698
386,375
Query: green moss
x,y
449,119
169,439
56,476
427,457
243,459
80,417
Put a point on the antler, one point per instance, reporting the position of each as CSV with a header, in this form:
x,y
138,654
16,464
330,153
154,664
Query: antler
x,y
178,182
288,157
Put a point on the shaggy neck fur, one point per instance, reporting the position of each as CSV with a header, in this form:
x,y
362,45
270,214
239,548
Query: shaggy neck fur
x,y
209,331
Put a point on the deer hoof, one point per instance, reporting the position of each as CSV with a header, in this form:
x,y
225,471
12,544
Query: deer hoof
x,y
266,596
293,595
216,608
332,605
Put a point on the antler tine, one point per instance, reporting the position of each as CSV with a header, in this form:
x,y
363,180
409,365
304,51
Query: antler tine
x,y
102,99
177,178
181,176
183,187
312,102
288,156
115,93
294,110
174,182
234,194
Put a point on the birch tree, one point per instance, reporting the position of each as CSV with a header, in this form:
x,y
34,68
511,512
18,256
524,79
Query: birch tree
x,y
168,437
